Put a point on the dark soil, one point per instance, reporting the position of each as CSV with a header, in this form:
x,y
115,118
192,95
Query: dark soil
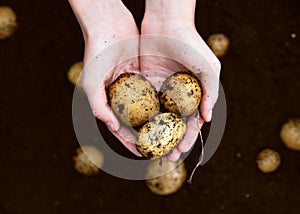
x,y
261,79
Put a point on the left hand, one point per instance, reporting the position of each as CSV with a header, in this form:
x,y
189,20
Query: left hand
x,y
174,37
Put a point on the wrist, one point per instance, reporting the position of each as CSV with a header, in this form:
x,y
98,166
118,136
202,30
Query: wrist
x,y
170,11
94,14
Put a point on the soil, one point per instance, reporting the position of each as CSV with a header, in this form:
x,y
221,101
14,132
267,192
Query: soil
x,y
261,79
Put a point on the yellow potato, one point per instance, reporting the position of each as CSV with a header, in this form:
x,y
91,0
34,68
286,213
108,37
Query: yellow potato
x,y
88,160
172,177
8,22
133,99
160,135
290,134
218,43
268,160
74,73
181,93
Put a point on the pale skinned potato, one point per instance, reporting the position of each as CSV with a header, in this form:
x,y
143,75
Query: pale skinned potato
x,y
218,43
290,134
160,135
172,176
181,93
133,99
8,22
74,73
88,160
268,160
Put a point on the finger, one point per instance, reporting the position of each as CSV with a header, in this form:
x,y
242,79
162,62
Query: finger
x,y
206,106
127,138
201,61
174,155
194,125
210,90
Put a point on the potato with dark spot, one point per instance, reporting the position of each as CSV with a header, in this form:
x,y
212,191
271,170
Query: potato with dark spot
x,y
290,134
160,135
133,99
165,178
181,93
8,22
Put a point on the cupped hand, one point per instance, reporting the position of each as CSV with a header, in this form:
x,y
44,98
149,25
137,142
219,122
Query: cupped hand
x,y
109,31
175,45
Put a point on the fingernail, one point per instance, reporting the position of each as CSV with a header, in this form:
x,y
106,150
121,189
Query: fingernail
x,y
111,126
210,114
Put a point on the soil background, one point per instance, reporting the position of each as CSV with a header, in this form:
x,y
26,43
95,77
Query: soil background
x,y
261,79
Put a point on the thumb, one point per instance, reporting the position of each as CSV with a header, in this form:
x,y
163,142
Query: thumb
x,y
103,112
98,101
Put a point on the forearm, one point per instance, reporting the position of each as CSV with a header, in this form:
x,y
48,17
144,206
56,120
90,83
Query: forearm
x,y
92,13
161,10
85,6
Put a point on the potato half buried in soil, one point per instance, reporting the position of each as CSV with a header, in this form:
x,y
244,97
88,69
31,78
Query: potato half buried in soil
x,y
8,22
290,134
218,43
88,160
268,160
172,176
160,135
180,93
133,99
74,73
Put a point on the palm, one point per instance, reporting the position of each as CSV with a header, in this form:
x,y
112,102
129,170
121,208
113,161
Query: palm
x,y
107,24
157,69
179,48
105,60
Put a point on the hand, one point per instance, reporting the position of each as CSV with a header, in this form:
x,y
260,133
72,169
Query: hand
x,y
168,30
105,23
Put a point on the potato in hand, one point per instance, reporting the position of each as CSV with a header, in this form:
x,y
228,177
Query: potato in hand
x,y
133,99
181,93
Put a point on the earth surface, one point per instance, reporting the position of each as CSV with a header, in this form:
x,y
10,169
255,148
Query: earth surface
x,y
261,80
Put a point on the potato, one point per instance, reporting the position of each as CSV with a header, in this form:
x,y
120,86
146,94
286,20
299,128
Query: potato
x,y
74,73
268,160
218,43
180,93
88,160
133,99
8,22
290,134
160,135
168,183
